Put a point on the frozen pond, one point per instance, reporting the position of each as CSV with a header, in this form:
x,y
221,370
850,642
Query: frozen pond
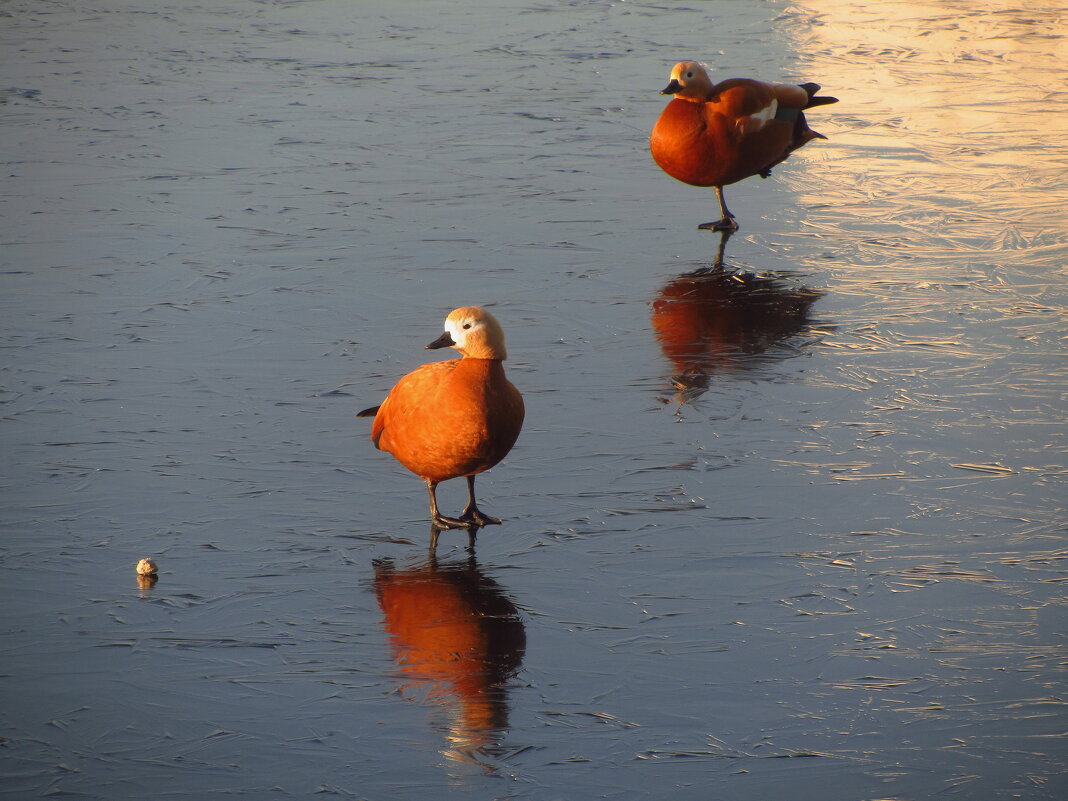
x,y
819,556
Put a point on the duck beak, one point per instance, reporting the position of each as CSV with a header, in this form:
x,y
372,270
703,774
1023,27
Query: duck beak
x,y
672,88
444,341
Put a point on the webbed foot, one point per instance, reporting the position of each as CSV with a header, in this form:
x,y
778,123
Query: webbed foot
x,y
475,516
726,224
443,523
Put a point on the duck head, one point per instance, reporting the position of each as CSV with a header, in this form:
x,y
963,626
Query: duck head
x,y
474,332
689,81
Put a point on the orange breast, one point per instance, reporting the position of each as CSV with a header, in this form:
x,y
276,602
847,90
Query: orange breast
x,y
686,149
450,419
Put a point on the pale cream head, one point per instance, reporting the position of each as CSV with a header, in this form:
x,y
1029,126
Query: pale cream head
x,y
691,80
476,333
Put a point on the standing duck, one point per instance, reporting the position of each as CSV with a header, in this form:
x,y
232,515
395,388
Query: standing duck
x,y
455,418
718,134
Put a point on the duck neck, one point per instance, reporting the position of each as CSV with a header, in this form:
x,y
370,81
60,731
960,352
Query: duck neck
x,y
480,371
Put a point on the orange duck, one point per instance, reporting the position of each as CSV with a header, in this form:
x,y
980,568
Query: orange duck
x,y
714,135
455,418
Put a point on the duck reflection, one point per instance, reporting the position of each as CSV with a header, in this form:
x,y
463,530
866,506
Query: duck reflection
x,y
716,319
458,638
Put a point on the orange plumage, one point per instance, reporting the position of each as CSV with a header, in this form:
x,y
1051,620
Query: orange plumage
x,y
456,418
715,135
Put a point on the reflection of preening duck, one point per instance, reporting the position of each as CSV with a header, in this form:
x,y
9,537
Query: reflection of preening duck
x,y
456,418
455,632
714,135
714,319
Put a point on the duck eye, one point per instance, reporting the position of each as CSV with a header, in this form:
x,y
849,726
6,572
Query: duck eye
x,y
689,74
466,326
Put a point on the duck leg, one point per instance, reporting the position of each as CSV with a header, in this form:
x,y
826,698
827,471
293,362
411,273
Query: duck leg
x,y
727,222
471,513
437,519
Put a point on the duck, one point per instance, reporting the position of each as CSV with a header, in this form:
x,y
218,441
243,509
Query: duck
x,y
453,418
719,134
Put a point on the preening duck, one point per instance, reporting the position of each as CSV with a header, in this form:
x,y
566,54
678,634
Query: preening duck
x,y
718,134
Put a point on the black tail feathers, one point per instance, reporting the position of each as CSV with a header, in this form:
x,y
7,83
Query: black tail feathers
x,y
811,89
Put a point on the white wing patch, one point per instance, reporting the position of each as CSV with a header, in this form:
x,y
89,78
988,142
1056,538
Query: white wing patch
x,y
756,121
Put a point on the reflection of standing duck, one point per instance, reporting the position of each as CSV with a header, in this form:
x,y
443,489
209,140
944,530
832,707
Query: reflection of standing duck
x,y
714,319
457,636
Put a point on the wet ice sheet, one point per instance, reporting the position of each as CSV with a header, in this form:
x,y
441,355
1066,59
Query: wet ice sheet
x,y
833,554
